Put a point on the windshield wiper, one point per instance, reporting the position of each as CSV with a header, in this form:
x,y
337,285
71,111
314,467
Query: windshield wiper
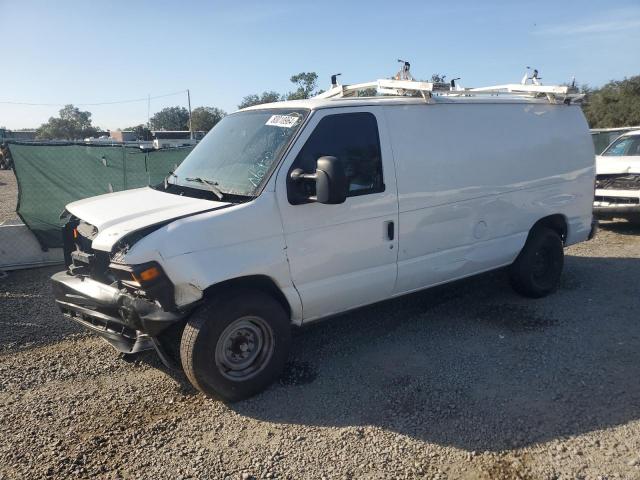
x,y
212,185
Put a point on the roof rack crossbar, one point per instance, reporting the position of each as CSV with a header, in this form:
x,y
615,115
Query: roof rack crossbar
x,y
519,88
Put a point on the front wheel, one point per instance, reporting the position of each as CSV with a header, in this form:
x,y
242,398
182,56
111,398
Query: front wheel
x,y
234,347
537,270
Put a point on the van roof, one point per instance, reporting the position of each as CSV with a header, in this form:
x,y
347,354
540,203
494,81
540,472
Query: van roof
x,y
316,103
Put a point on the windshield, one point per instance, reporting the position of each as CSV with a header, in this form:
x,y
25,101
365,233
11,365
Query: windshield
x,y
236,155
623,147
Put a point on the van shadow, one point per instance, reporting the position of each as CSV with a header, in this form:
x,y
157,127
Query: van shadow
x,y
473,365
621,227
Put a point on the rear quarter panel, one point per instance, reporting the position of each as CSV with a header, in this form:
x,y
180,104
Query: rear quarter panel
x,y
473,179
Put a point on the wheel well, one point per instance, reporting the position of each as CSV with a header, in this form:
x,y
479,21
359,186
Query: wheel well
x,y
557,223
255,282
170,338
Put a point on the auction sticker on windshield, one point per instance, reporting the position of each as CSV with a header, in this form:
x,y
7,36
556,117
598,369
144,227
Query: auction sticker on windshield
x,y
285,121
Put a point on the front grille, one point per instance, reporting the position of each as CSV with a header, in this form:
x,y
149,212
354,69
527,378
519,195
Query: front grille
x,y
617,200
629,181
80,257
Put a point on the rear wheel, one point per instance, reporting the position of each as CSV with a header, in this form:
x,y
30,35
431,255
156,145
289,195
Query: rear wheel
x,y
234,347
634,219
537,270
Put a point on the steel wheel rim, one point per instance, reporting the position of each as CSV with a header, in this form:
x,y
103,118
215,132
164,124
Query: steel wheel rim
x,y
244,348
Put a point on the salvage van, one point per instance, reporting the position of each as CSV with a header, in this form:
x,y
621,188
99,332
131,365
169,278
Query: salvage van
x,y
291,212
618,179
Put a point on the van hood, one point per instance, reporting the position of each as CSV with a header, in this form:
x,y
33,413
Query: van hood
x,y
612,165
118,214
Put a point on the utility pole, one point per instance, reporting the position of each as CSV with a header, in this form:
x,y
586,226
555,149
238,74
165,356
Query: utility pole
x,y
190,127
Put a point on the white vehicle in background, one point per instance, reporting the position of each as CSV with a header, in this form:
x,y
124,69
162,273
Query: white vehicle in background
x,y
603,137
292,212
618,179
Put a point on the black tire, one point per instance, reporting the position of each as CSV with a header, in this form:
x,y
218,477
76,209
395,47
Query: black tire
x,y
236,344
633,220
537,270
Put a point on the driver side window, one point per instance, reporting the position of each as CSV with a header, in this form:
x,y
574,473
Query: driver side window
x,y
353,139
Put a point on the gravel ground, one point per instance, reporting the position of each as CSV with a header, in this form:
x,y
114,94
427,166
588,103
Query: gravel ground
x,y
463,381
8,195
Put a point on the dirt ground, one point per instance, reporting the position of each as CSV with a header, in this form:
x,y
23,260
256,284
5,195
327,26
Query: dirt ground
x,y
8,195
464,381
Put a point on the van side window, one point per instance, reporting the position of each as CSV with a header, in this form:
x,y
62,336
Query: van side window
x,y
353,139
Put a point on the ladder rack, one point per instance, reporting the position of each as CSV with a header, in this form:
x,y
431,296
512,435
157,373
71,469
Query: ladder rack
x,y
383,86
390,87
554,93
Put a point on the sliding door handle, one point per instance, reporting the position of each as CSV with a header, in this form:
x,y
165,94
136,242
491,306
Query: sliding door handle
x,y
391,230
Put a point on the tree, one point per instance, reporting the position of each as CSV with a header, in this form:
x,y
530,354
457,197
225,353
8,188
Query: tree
x,y
205,118
438,78
616,104
306,83
170,118
306,87
264,97
142,132
73,124
368,92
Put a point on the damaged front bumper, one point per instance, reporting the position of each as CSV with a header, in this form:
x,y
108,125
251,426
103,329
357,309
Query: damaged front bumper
x,y
129,323
615,208
612,203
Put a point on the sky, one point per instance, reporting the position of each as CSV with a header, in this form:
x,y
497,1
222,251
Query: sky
x,y
84,52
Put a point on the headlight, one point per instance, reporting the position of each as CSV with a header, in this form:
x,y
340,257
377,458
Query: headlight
x,y
137,275
147,279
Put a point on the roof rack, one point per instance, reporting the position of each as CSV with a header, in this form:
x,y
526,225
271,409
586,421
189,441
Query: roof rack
x,y
403,85
382,86
554,93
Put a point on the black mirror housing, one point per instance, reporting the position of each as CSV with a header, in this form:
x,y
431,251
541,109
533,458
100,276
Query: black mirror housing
x,y
331,181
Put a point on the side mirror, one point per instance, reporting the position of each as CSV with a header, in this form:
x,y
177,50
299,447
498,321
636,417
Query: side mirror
x,y
331,181
330,178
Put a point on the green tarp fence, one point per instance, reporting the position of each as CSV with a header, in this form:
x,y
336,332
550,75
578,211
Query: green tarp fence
x,y
52,175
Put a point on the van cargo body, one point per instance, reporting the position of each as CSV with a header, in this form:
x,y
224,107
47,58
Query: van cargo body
x,y
475,179
291,212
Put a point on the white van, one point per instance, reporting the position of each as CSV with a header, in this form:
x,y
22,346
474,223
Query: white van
x,y
618,179
291,212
